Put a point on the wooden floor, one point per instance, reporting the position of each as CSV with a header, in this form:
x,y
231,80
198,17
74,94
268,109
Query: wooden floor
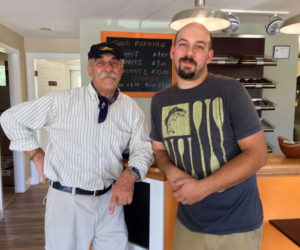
x,y
23,225
8,195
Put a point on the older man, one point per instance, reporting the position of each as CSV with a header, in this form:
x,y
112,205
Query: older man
x,y
89,128
208,141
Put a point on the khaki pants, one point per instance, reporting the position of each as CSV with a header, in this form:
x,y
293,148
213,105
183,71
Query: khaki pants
x,y
76,222
187,240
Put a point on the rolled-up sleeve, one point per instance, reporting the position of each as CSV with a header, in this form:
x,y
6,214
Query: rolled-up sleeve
x,y
21,121
140,147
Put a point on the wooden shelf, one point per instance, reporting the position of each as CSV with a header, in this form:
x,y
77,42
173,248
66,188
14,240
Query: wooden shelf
x,y
259,61
244,60
263,104
270,150
267,127
256,60
257,83
221,60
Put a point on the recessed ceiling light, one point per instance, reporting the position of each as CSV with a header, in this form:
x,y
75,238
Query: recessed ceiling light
x,y
46,29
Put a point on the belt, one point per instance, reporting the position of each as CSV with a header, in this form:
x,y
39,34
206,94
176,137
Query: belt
x,y
58,186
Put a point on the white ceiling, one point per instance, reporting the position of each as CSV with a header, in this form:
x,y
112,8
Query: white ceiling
x,y
26,16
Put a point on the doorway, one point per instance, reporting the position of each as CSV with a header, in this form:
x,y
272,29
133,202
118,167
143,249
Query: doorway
x,y
14,96
6,156
72,62
52,76
21,181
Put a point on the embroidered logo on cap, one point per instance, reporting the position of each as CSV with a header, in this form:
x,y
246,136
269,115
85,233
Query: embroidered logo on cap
x,y
106,48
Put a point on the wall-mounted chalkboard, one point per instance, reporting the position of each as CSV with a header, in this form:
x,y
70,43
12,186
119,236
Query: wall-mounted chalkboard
x,y
148,67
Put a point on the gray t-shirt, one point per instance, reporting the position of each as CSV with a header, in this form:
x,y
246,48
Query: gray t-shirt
x,y
200,128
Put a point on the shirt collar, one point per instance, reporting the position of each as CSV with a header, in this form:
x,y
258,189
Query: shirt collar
x,y
95,95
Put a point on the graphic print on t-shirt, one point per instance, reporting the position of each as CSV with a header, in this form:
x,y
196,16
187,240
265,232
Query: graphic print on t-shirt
x,y
185,125
176,120
214,163
197,119
218,114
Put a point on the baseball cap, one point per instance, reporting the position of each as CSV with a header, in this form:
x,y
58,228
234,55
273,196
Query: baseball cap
x,y
102,48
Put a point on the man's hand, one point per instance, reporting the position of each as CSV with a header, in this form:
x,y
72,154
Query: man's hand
x,y
37,156
189,191
122,191
39,163
174,174
185,188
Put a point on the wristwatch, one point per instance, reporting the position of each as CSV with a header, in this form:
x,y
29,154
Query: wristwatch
x,y
135,172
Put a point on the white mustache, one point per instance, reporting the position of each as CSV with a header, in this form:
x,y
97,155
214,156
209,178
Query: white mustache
x,y
108,74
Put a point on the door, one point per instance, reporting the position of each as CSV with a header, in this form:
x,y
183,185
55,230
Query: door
x,y
75,78
55,75
51,76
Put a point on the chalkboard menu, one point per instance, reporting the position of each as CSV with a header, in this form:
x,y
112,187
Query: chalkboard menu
x,y
147,66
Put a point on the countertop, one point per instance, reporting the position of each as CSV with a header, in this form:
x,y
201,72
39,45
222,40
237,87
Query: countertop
x,y
277,165
280,165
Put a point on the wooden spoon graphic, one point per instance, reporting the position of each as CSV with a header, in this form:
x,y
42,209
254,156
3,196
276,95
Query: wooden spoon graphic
x,y
194,174
181,151
214,163
175,158
197,118
218,114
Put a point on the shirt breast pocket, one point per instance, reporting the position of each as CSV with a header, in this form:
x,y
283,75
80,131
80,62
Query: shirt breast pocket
x,y
120,135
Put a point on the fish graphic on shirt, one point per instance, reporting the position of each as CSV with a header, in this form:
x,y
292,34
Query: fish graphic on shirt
x,y
173,115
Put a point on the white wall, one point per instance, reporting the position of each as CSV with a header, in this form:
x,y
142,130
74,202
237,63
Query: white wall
x,y
285,73
51,45
285,93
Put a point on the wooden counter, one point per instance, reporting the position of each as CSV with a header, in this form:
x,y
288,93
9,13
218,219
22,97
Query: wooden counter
x,y
277,165
155,173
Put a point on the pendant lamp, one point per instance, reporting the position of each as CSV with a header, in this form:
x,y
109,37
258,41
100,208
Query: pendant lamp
x,y
212,19
291,25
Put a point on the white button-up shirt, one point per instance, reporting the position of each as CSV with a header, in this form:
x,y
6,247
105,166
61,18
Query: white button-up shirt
x,y
81,152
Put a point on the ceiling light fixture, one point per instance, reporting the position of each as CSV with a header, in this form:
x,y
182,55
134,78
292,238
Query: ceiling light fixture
x,y
273,25
234,24
212,19
291,25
